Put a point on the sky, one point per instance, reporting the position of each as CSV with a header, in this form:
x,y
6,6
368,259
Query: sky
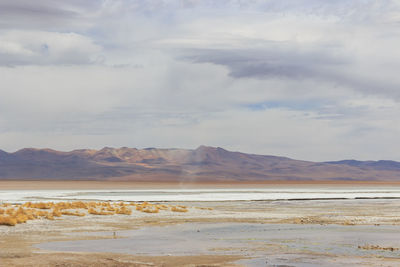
x,y
307,79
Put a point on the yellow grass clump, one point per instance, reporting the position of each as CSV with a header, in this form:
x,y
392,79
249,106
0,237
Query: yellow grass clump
x,y
162,207
111,209
31,215
49,216
78,205
7,220
179,209
124,210
21,218
41,213
56,213
96,212
72,213
12,214
150,209
9,211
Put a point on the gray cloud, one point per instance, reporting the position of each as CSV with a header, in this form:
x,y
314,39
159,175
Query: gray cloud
x,y
47,33
276,60
316,63
46,14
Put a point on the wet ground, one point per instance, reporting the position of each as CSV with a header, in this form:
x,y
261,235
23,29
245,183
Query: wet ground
x,y
263,244
233,233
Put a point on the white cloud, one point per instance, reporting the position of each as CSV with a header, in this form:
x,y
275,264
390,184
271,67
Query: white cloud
x,y
44,48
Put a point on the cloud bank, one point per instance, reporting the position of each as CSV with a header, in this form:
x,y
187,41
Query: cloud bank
x,y
313,80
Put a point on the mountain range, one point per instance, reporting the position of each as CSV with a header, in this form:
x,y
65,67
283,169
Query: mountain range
x,y
204,164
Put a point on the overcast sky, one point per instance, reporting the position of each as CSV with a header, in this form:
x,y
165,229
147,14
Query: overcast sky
x,y
308,79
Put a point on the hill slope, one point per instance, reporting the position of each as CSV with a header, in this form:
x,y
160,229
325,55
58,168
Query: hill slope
x,y
201,164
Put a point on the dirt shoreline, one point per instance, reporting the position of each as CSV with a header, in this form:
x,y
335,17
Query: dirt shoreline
x,y
56,184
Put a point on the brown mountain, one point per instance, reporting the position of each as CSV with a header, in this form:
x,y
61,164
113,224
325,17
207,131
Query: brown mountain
x,y
200,165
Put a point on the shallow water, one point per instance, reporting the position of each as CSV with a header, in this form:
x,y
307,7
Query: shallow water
x,y
259,241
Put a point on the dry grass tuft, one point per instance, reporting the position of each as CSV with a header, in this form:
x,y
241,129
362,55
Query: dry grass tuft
x,y
21,218
72,213
12,214
56,213
162,207
96,212
124,210
150,209
7,220
10,211
179,209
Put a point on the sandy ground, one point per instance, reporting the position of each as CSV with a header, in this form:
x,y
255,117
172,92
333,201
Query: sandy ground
x,y
16,242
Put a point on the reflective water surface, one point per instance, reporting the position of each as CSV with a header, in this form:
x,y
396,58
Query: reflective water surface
x,y
279,244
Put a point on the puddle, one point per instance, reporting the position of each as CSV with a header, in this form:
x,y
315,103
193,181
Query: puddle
x,y
259,242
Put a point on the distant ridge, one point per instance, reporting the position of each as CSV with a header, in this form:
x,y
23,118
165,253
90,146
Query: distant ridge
x,y
204,164
380,164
